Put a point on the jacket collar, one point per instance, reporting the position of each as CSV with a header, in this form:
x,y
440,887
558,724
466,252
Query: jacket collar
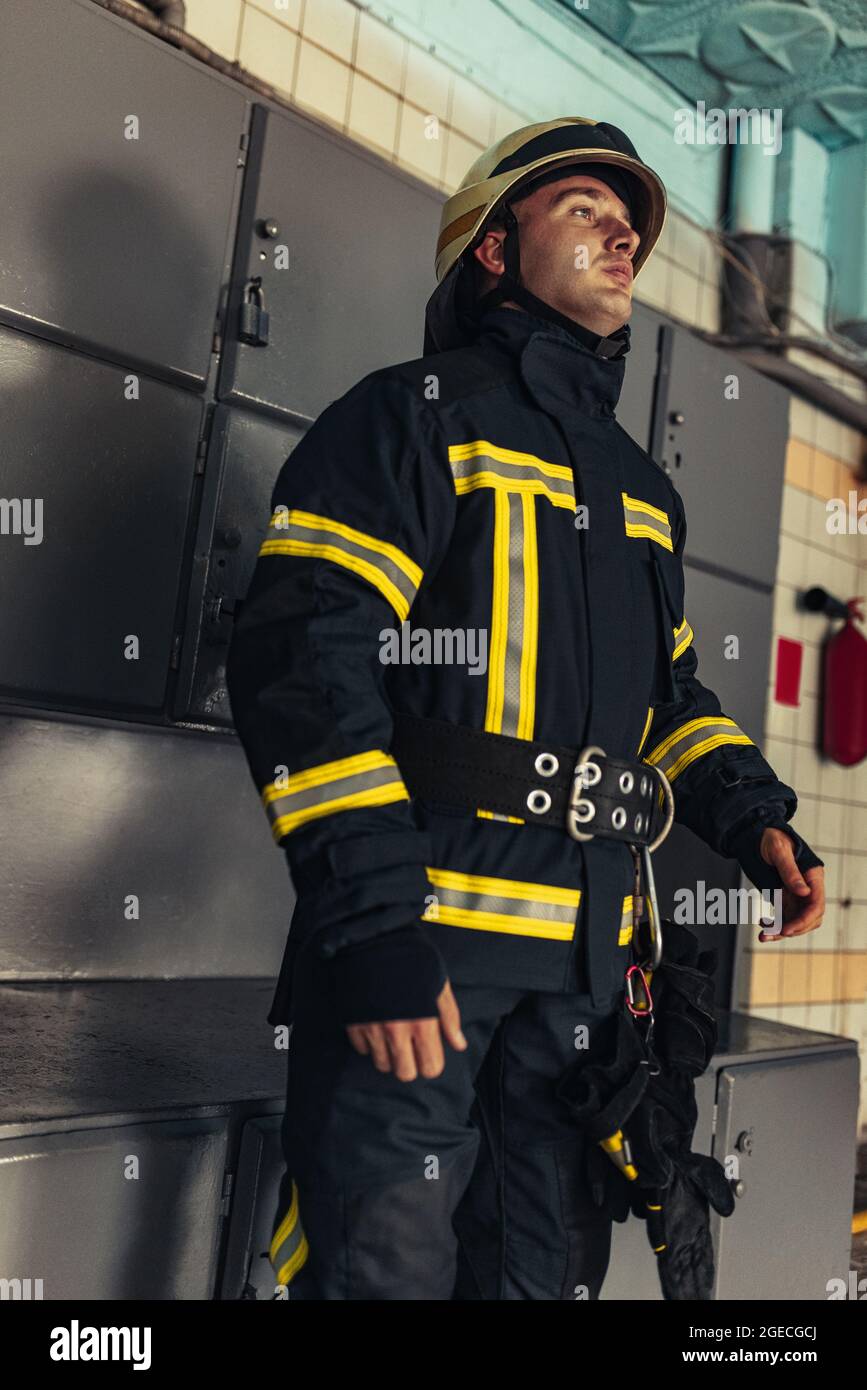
x,y
558,370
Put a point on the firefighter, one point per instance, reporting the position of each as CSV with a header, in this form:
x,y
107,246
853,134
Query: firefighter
x,y
465,901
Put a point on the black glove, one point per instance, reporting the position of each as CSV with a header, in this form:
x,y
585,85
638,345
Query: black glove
x,y
399,975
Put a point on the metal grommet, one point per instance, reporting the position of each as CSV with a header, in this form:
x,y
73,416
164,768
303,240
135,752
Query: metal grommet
x,y
546,764
538,801
627,782
644,786
639,824
585,772
584,811
618,818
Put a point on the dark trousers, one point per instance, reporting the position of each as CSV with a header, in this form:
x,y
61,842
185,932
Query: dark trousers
x,y
467,1185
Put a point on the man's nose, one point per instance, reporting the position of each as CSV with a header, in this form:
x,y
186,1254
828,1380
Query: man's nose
x,y
622,237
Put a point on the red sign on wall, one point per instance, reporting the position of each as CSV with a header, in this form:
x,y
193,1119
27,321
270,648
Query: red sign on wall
x,y
788,685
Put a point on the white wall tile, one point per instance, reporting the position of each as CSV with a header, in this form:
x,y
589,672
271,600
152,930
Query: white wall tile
x,y
331,25
322,83
380,52
373,113
286,12
216,25
268,49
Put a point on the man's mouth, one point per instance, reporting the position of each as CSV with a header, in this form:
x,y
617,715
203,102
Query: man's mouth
x,y
623,273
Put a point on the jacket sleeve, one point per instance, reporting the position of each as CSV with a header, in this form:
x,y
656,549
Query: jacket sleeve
x,y
724,790
361,515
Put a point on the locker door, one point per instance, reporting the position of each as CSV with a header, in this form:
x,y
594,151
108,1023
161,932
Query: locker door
x,y
725,457
791,1124
114,244
635,407
247,1272
131,1212
245,454
359,237
111,479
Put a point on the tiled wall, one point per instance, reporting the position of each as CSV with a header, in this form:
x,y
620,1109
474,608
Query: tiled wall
x,y
349,67
820,980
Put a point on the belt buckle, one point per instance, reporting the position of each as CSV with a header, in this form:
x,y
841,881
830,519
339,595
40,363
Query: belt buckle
x,y
586,774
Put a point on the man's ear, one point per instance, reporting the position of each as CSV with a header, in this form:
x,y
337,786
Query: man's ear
x,y
489,252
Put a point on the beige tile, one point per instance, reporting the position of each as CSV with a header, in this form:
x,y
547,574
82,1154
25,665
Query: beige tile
x,y
793,516
794,987
683,295
811,668
380,52
373,114
216,25
825,475
268,49
460,154
651,287
472,110
506,119
802,420
690,246
709,308
287,12
322,83
799,463
829,434
427,83
421,143
765,982
331,25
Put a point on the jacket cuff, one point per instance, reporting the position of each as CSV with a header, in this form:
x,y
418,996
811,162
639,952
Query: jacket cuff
x,y
745,847
398,975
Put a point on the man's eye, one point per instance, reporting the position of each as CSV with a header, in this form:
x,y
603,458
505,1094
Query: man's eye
x,y
583,209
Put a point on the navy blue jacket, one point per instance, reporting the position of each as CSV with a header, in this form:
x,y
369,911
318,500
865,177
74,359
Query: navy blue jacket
x,y
489,490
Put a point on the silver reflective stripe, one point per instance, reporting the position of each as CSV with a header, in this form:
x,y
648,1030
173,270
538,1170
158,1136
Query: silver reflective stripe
x,y
683,636
389,569
366,779
642,519
506,905
692,741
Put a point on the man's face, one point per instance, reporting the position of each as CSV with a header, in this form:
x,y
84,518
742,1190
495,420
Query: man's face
x,y
577,247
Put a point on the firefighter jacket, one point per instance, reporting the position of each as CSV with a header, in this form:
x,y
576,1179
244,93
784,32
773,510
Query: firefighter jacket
x,y
472,537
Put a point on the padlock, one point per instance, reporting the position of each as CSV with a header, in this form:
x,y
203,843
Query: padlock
x,y
253,327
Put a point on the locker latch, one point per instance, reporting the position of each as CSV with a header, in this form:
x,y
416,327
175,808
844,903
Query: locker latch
x,y
253,328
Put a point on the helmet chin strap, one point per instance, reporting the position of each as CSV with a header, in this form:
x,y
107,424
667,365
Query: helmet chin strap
x,y
509,287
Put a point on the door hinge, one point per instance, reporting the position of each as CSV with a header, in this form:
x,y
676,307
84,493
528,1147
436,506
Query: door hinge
x,y
176,652
243,147
201,455
226,1196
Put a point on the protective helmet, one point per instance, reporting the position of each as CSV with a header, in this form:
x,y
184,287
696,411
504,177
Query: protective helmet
x,y
528,154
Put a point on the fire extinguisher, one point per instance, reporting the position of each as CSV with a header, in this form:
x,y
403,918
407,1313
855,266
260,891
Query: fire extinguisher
x,y
844,693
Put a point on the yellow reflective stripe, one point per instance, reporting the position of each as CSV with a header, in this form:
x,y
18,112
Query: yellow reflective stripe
x,y
626,922
499,616
483,903
697,741
506,887
530,642
636,504
364,779
683,635
476,447
376,796
397,577
647,723
294,1263
498,815
501,922
287,1225
632,529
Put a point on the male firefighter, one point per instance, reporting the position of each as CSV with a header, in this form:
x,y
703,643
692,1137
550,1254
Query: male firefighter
x,y
453,935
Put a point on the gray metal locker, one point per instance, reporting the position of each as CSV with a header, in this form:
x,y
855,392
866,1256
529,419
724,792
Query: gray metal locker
x,y
635,406
116,245
359,236
79,1220
130,851
113,479
725,457
247,1272
245,454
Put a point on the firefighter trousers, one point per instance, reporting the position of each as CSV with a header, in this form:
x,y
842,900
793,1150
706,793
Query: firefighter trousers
x,y
468,1185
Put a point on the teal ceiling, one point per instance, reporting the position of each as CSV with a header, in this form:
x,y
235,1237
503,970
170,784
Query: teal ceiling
x,y
807,59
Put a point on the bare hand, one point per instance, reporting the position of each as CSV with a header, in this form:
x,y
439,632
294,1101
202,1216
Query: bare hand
x,y
410,1046
803,894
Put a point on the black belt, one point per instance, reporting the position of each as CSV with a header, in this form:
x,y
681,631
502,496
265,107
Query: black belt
x,y
584,792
